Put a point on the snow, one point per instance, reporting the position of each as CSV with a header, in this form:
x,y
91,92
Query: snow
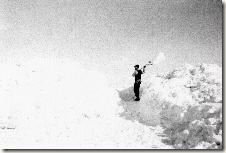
x,y
184,87
56,104
190,94
160,58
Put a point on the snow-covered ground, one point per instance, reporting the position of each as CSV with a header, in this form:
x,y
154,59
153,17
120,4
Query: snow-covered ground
x,y
54,103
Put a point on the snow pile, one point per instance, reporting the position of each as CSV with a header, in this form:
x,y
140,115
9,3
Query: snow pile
x,y
47,87
184,87
55,104
176,100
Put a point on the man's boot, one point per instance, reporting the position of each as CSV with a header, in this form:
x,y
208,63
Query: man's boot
x,y
137,99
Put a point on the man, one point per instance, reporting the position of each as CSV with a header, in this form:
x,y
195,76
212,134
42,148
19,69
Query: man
x,y
137,74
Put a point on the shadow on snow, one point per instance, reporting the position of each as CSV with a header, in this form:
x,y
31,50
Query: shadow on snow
x,y
130,107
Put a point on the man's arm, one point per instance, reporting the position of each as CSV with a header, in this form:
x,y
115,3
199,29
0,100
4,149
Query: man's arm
x,y
143,69
134,73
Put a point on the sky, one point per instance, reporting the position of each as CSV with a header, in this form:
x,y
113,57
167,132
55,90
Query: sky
x,y
111,36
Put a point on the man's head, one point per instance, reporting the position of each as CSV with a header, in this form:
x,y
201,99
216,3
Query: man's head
x,y
136,67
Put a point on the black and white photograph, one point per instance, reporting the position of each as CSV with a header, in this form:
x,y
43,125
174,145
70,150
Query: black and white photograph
x,y
111,74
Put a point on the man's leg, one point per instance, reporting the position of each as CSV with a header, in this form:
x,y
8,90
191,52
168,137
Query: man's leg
x,y
136,90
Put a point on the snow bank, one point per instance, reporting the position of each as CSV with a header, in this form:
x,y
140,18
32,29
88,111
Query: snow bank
x,y
55,104
184,95
41,89
184,87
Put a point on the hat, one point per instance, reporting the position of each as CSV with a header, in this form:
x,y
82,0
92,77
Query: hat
x,y
136,66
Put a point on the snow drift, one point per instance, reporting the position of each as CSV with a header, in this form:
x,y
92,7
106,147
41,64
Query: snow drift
x,y
53,86
186,86
55,104
182,98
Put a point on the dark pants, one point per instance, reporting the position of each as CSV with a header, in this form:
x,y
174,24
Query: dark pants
x,y
136,89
